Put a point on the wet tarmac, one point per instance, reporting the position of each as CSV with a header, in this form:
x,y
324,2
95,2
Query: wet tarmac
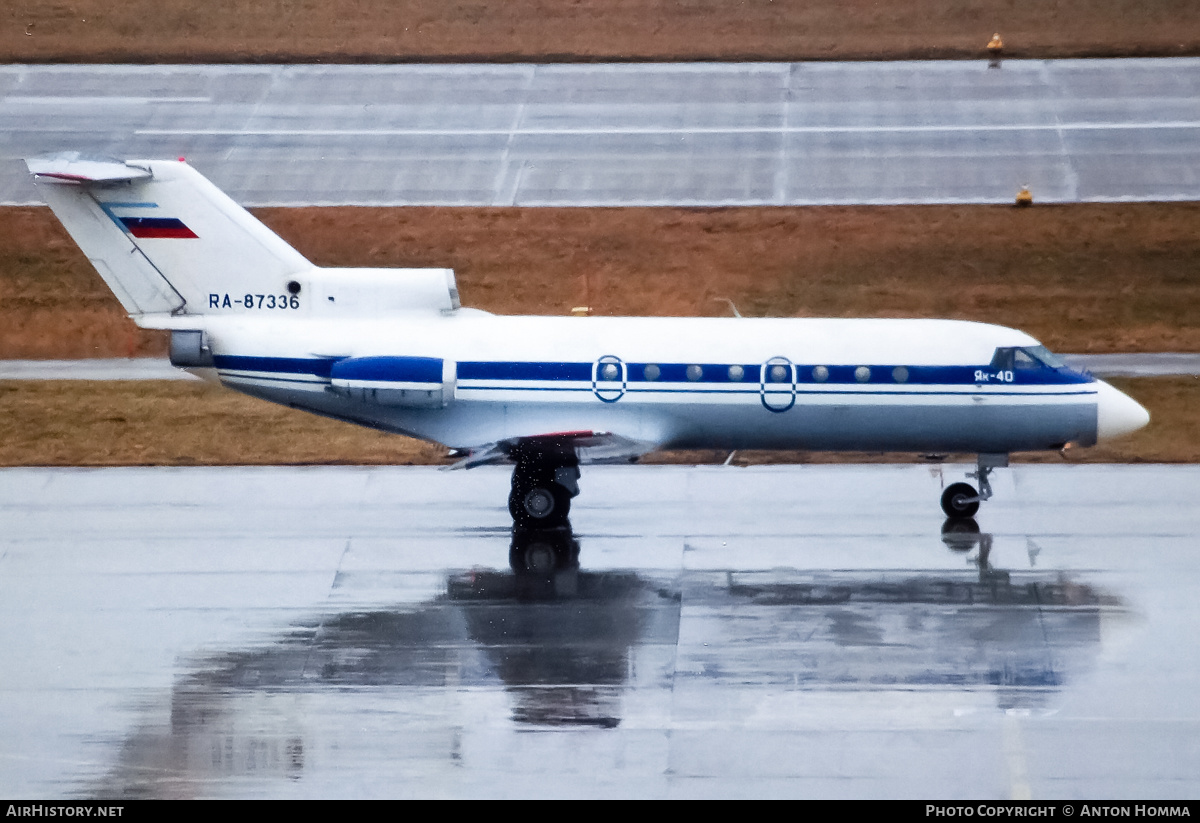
x,y
710,631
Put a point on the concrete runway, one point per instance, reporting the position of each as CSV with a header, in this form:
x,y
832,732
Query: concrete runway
x,y
632,134
771,631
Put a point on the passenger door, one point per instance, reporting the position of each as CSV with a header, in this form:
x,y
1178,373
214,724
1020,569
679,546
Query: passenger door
x,y
777,384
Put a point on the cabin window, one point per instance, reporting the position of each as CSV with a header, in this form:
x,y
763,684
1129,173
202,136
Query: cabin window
x,y
779,374
820,374
609,371
694,372
900,374
862,374
651,372
736,373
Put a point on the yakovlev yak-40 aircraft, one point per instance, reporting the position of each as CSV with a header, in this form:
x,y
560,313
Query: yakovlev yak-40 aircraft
x,y
393,350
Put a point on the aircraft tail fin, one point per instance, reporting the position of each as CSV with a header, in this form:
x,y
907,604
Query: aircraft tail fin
x,y
165,239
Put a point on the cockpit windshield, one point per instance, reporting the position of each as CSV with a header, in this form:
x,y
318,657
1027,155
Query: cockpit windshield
x,y
1046,356
1029,357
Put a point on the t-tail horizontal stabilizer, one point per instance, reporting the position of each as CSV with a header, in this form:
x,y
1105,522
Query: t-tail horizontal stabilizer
x,y
73,167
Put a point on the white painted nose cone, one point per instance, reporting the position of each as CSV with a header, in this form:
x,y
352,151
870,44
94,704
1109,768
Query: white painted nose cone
x,y
1117,413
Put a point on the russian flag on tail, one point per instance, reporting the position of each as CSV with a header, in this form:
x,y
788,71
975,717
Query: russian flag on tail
x,y
156,227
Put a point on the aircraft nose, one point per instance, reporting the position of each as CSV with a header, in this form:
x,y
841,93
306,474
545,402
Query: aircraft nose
x,y
1117,413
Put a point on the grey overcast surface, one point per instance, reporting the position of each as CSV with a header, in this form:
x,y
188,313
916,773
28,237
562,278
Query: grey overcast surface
x,y
630,134
770,631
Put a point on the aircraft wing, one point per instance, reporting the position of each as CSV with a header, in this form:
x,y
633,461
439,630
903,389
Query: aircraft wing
x,y
589,447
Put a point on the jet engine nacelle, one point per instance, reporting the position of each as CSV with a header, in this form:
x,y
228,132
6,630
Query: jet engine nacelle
x,y
412,382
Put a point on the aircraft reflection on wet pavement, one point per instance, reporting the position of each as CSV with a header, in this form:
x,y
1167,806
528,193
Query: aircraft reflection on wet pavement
x,y
567,646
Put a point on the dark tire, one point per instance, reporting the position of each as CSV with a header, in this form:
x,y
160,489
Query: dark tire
x,y
541,504
958,500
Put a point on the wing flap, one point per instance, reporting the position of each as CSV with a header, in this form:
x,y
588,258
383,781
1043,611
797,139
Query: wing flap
x,y
589,448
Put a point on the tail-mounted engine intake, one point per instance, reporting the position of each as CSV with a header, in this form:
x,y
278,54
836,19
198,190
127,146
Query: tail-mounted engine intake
x,y
189,349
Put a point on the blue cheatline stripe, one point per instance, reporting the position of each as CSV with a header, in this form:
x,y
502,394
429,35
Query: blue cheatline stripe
x,y
489,370
786,392
321,367
751,373
749,391
428,369
391,369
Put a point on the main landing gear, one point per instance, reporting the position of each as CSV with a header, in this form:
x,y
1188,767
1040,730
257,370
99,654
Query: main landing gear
x,y
961,499
542,487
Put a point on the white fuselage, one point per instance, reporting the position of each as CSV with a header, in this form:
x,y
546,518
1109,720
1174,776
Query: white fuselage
x,y
731,383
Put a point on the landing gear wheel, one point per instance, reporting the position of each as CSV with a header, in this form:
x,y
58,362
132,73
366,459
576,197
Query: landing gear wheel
x,y
541,504
960,500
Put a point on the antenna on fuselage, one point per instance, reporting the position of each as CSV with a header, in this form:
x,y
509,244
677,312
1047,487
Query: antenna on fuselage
x,y
736,313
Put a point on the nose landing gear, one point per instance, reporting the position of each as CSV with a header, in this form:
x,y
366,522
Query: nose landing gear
x,y
961,499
